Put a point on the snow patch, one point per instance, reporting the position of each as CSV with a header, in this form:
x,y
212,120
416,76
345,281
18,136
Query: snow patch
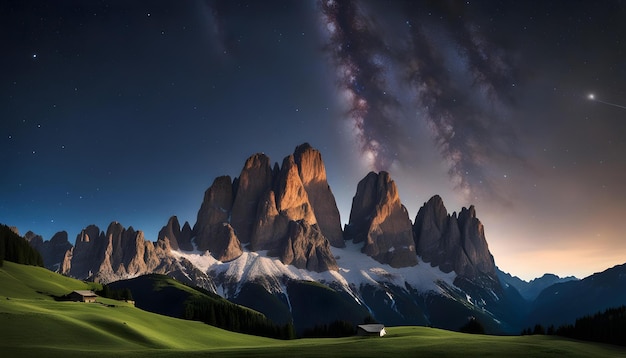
x,y
355,270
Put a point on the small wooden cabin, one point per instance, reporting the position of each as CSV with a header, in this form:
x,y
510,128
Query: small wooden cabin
x,y
371,330
82,296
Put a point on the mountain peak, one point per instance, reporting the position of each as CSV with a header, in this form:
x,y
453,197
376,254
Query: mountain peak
x,y
313,176
379,219
178,239
453,243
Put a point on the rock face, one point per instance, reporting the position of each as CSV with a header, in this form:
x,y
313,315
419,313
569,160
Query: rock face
x,y
286,223
213,230
124,253
379,219
313,175
84,259
52,251
307,248
453,243
118,253
260,208
255,179
178,239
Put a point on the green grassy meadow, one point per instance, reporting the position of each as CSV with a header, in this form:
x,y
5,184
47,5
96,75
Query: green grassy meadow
x,y
33,324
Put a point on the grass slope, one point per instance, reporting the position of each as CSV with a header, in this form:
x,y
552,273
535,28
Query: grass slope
x,y
33,324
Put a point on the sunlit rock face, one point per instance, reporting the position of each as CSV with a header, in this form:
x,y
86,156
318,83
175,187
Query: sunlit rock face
x,y
381,222
453,243
260,208
286,223
313,175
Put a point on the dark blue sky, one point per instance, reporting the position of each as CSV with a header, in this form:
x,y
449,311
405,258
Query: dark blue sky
x,y
127,111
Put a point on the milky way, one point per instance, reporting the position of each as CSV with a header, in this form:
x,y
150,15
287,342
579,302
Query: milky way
x,y
403,63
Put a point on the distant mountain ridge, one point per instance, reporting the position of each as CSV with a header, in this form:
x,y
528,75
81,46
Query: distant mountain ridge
x,y
272,227
560,302
531,289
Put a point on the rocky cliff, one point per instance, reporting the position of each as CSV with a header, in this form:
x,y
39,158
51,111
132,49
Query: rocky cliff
x,y
52,251
453,243
213,230
255,179
381,222
313,175
179,239
273,209
123,253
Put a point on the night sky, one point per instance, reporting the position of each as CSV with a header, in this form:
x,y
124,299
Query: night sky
x,y
127,110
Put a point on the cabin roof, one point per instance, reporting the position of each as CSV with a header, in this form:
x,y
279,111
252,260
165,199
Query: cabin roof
x,y
372,328
86,293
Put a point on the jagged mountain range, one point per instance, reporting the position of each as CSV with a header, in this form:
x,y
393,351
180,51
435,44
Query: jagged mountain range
x,y
259,235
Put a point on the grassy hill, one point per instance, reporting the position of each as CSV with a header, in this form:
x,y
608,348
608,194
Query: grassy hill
x,y
32,323
163,295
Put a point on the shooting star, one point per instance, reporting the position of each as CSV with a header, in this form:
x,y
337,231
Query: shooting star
x,y
592,97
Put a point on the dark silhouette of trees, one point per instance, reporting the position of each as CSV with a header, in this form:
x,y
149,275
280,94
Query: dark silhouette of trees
x,y
334,329
235,318
473,326
539,329
605,327
16,249
123,294
369,319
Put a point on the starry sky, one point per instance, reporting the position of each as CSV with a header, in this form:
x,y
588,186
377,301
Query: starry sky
x,y
127,110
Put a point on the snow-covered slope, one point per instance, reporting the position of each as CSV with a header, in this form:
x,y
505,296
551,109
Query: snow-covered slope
x,y
355,271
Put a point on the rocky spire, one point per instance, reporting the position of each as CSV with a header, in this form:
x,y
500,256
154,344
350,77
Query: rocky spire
x,y
179,239
379,219
255,179
313,176
453,243
87,254
213,230
124,253
292,200
286,223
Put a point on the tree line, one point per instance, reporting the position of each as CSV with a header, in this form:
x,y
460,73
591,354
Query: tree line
x,y
335,329
123,294
16,249
605,327
234,318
